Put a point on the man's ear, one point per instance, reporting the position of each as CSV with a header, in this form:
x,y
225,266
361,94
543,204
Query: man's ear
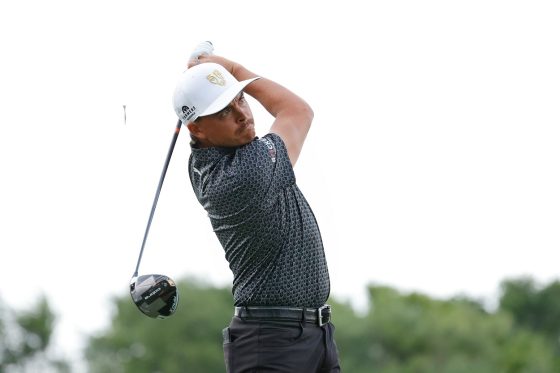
x,y
195,130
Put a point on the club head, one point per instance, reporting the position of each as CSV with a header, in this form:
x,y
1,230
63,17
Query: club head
x,y
155,296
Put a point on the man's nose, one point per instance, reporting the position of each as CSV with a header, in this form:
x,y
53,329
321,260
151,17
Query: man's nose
x,y
241,113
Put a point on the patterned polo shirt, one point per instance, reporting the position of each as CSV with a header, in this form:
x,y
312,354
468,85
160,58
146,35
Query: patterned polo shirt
x,y
262,220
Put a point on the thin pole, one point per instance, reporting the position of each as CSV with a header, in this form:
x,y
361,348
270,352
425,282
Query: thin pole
x,y
162,177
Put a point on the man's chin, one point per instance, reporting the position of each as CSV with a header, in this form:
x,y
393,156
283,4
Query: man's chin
x,y
249,135
248,140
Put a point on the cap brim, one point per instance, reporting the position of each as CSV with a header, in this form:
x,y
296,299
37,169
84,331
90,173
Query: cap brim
x,y
225,98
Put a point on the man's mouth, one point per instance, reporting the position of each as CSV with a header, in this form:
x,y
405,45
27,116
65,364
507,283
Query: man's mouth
x,y
246,126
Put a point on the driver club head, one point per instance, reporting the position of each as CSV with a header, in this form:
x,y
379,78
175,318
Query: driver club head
x,y
155,296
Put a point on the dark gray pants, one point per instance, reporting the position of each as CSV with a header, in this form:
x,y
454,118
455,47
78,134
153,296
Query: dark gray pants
x,y
252,346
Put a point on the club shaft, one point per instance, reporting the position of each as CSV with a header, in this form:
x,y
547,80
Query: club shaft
x,y
162,177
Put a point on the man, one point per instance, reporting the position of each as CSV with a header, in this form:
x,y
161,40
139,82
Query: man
x,y
266,227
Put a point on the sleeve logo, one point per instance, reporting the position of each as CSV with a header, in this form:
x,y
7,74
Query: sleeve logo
x,y
271,148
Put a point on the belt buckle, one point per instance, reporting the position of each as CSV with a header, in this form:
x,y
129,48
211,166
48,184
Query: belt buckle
x,y
320,315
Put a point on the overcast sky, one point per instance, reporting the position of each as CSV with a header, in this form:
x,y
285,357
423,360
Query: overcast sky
x,y
432,164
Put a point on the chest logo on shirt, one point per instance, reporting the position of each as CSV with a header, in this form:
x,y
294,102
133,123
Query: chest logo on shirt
x,y
271,149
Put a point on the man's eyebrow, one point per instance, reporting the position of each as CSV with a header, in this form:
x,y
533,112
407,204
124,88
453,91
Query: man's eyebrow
x,y
225,107
237,97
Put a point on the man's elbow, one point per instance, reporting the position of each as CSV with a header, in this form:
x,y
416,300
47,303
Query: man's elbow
x,y
307,113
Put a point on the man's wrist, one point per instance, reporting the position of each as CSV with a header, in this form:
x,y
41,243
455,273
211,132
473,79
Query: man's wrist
x,y
240,72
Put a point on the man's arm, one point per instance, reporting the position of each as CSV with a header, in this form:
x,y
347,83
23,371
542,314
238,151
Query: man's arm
x,y
293,116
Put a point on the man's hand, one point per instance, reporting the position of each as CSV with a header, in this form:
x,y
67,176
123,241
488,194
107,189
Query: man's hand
x,y
203,49
293,116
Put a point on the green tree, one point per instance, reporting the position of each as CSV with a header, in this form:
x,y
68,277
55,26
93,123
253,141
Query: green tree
x,y
532,305
414,333
399,333
188,341
25,338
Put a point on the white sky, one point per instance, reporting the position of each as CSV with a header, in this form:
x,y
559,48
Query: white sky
x,y
432,164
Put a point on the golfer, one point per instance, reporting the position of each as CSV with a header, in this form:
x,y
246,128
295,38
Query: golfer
x,y
268,231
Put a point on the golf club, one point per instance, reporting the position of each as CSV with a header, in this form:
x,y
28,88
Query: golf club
x,y
155,295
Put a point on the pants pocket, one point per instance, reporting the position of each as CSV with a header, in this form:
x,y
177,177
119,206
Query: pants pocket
x,y
226,335
279,336
227,346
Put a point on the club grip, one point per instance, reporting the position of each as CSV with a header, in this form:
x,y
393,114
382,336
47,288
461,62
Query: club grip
x,y
204,48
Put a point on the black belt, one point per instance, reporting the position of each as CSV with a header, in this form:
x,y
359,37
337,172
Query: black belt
x,y
319,316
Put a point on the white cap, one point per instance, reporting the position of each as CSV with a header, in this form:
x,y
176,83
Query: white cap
x,y
205,89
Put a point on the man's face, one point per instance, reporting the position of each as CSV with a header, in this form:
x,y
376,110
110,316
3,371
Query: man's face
x,y
232,126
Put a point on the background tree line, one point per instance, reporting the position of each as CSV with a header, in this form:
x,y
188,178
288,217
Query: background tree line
x,y
399,333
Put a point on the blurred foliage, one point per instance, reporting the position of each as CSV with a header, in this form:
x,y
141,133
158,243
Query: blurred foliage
x,y
25,338
533,306
399,333
188,341
414,333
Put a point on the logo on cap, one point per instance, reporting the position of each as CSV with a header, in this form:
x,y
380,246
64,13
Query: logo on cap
x,y
188,112
216,78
